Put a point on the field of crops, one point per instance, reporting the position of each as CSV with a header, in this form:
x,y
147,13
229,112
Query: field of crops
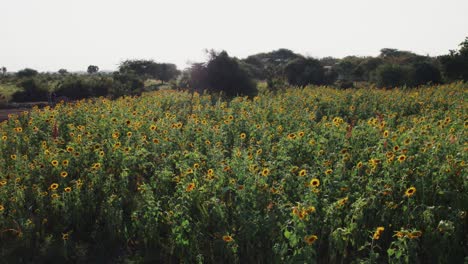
x,y
304,175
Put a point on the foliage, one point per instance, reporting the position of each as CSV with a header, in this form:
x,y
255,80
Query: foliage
x,y
312,175
92,69
304,71
391,75
146,69
26,73
33,89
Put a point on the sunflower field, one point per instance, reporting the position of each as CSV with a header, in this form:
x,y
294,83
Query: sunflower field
x,y
312,175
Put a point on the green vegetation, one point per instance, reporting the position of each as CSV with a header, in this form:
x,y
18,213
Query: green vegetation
x,y
316,175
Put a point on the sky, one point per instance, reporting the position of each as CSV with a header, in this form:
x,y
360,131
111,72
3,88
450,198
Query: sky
x,y
48,35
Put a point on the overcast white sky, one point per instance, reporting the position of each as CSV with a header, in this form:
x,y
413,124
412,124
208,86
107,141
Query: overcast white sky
x,y
51,34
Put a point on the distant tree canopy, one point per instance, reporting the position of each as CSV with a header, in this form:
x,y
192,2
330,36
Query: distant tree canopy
x,y
304,71
391,75
221,74
148,69
62,71
455,64
92,69
25,73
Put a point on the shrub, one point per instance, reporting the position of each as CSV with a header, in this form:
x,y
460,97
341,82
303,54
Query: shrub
x,y
33,90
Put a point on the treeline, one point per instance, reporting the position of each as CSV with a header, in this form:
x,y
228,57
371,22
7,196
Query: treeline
x,y
232,76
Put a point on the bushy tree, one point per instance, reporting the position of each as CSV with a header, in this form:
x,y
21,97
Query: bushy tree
x,y
424,73
224,75
304,71
62,71
391,75
147,69
33,90
455,64
26,73
92,69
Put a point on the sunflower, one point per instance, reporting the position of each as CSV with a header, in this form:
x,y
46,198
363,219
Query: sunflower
x,y
300,134
410,191
315,183
414,234
4,138
54,163
55,196
54,186
243,135
155,141
401,158
129,134
310,239
210,172
65,162
196,166
2,207
302,173
152,127
13,157
265,172
378,233
65,236
328,172
385,133
228,238
291,136
96,166
63,174
190,187
67,189
359,165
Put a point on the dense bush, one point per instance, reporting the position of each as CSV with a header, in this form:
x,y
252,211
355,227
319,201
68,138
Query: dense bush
x,y
391,75
305,71
33,89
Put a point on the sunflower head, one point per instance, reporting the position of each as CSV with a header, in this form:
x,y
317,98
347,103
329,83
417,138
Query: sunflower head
x,y
310,239
315,183
410,191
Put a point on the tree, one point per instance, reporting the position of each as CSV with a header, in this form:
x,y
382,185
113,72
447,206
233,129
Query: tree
x,y
391,75
4,70
26,73
62,71
146,69
304,71
167,71
92,69
455,64
225,75
424,73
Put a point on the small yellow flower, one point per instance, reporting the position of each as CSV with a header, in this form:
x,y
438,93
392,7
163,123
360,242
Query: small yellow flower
x,y
265,172
55,163
243,135
190,187
54,186
410,191
401,158
63,174
228,238
67,189
315,183
310,239
302,173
